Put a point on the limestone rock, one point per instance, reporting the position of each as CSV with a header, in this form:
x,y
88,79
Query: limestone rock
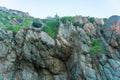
x,y
31,54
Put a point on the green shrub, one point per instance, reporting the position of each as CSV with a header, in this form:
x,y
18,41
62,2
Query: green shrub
x,y
105,19
78,24
13,28
67,18
91,19
7,19
16,27
95,46
51,27
52,23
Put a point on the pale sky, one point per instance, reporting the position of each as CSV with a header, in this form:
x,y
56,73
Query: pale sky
x,y
44,8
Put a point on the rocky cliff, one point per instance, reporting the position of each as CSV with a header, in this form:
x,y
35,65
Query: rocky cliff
x,y
14,19
31,54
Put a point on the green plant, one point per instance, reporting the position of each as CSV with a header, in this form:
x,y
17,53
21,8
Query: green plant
x,y
95,52
51,27
16,27
67,18
80,24
13,28
91,19
14,21
95,46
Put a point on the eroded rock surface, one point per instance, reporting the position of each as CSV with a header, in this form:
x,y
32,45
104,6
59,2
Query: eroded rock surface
x,y
31,54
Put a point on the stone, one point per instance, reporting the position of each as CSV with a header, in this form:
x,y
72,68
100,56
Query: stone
x,y
3,49
108,71
31,54
89,28
55,66
37,23
85,48
32,35
99,21
47,39
90,73
5,34
103,59
19,37
62,76
116,78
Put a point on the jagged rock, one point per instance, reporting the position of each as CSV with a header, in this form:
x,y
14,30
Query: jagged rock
x,y
47,39
90,74
112,20
5,34
85,48
103,59
19,37
3,8
90,29
65,29
99,21
31,54
3,50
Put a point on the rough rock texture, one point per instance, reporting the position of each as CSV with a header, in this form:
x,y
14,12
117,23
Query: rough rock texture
x,y
14,19
31,54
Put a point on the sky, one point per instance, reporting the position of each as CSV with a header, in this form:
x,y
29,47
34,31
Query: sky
x,y
45,8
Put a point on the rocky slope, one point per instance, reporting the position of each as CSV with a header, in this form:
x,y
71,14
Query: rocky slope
x,y
14,19
31,54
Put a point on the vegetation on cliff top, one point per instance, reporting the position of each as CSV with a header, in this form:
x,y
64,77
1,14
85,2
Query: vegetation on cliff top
x,y
14,20
51,25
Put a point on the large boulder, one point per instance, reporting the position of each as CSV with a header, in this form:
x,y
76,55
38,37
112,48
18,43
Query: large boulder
x,y
37,23
112,20
112,31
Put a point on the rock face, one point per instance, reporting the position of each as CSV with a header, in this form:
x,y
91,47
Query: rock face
x,y
37,23
14,19
31,54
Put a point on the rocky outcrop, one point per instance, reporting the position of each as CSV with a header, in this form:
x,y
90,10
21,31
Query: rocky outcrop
x,y
31,54
14,19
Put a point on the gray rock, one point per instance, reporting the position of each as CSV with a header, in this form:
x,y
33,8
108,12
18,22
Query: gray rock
x,y
62,76
90,29
90,74
65,30
19,37
3,50
115,65
85,48
103,59
31,54
47,39
116,78
99,21
5,34
28,74
31,35
108,71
